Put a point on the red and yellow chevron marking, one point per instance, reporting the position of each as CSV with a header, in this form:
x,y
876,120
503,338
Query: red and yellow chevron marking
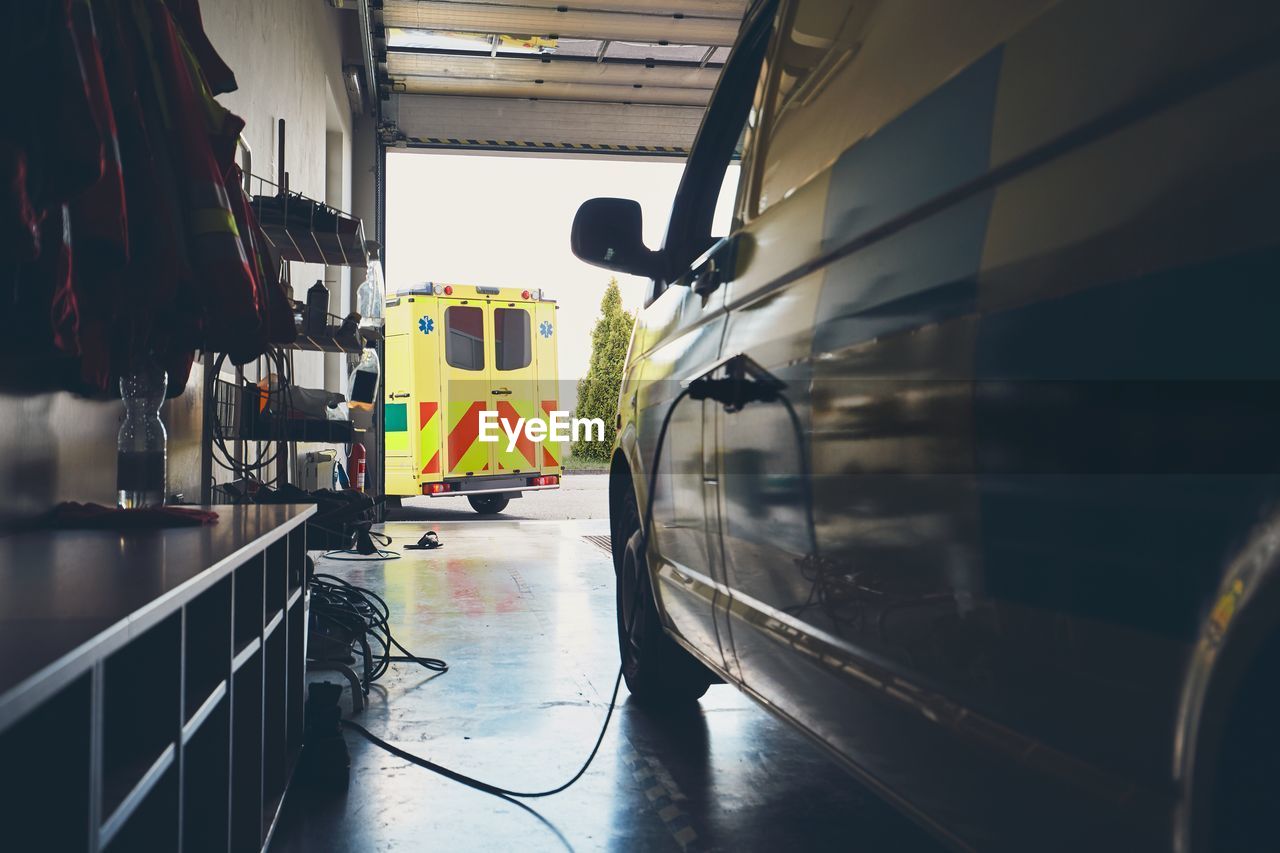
x,y
429,437
548,459
465,453
508,415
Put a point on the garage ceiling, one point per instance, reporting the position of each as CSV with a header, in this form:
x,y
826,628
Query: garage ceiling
x,y
605,77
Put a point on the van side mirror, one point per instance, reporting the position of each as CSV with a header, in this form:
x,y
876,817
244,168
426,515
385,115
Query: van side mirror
x,y
608,232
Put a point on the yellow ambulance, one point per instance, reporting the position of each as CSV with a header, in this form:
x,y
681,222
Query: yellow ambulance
x,y
460,358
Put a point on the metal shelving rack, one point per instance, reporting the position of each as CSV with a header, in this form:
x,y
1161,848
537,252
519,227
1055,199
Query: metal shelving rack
x,y
303,229
300,229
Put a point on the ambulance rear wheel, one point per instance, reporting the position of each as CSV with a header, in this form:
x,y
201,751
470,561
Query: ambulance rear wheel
x,y
488,504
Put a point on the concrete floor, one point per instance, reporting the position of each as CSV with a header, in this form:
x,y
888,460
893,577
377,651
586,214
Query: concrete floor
x,y
523,612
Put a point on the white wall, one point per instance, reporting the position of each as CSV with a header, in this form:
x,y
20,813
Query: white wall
x,y
287,56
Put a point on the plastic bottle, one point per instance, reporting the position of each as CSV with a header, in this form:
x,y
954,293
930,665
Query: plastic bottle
x,y
317,315
371,297
362,386
141,446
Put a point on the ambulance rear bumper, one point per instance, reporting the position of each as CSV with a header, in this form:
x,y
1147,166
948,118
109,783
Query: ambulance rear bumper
x,y
510,490
490,485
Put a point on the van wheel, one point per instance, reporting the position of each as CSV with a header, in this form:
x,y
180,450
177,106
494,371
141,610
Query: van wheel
x,y
658,671
488,504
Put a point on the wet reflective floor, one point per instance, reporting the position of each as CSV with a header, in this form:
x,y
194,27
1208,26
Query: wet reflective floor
x,y
523,613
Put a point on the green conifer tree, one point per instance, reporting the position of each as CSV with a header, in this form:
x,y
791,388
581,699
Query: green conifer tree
x,y
598,390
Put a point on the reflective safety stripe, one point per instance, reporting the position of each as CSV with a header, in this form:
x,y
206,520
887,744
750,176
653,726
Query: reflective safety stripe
x,y
463,446
548,458
396,417
509,416
209,220
429,437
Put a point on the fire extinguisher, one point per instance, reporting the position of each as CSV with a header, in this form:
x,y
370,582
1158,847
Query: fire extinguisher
x,y
356,465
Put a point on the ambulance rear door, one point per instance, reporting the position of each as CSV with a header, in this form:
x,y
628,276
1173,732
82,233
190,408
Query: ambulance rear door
x,y
465,389
514,379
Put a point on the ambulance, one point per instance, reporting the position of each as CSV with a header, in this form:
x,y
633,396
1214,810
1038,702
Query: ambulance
x,y
454,351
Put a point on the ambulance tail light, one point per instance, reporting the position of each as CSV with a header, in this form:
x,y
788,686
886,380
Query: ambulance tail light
x,y
436,488
547,480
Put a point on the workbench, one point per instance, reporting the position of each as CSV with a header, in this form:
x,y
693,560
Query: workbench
x,y
151,683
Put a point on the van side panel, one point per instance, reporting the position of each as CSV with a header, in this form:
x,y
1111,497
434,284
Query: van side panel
x,y
412,394
1038,400
399,425
398,432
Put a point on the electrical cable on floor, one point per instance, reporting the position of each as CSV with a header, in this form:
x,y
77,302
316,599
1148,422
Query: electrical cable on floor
x,y
363,616
356,557
369,553
496,790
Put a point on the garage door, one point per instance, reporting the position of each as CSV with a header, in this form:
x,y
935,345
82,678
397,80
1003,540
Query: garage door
x,y
622,77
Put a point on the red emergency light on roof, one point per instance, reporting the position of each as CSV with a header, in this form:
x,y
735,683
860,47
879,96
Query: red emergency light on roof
x,y
448,290
524,294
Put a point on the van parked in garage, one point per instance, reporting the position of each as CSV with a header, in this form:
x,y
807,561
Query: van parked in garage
x,y
1015,561
456,352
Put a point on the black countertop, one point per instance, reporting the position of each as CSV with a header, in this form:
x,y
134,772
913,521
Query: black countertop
x,y
70,597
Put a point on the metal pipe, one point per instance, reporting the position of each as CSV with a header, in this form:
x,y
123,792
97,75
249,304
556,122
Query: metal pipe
x,y
366,45
248,163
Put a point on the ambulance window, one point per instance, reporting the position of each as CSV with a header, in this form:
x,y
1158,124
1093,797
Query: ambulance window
x,y
512,347
464,337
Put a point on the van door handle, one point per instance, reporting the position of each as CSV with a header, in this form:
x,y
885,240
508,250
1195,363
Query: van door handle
x,y
717,269
500,391
399,394
708,278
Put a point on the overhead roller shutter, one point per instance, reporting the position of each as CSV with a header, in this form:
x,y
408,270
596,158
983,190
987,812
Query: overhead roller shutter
x,y
545,126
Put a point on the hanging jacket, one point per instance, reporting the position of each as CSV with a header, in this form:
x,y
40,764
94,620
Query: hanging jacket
x,y
277,326
196,123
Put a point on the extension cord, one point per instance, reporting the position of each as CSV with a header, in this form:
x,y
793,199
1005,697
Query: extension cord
x,y
746,382
496,790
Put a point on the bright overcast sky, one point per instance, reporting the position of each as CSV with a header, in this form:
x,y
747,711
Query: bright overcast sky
x,y
504,221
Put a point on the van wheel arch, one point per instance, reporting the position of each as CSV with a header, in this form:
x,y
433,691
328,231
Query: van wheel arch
x,y
622,496
1230,692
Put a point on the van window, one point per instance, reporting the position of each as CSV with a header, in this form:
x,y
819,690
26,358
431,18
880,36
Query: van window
x,y
464,337
706,198
722,220
813,44
842,71
512,347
